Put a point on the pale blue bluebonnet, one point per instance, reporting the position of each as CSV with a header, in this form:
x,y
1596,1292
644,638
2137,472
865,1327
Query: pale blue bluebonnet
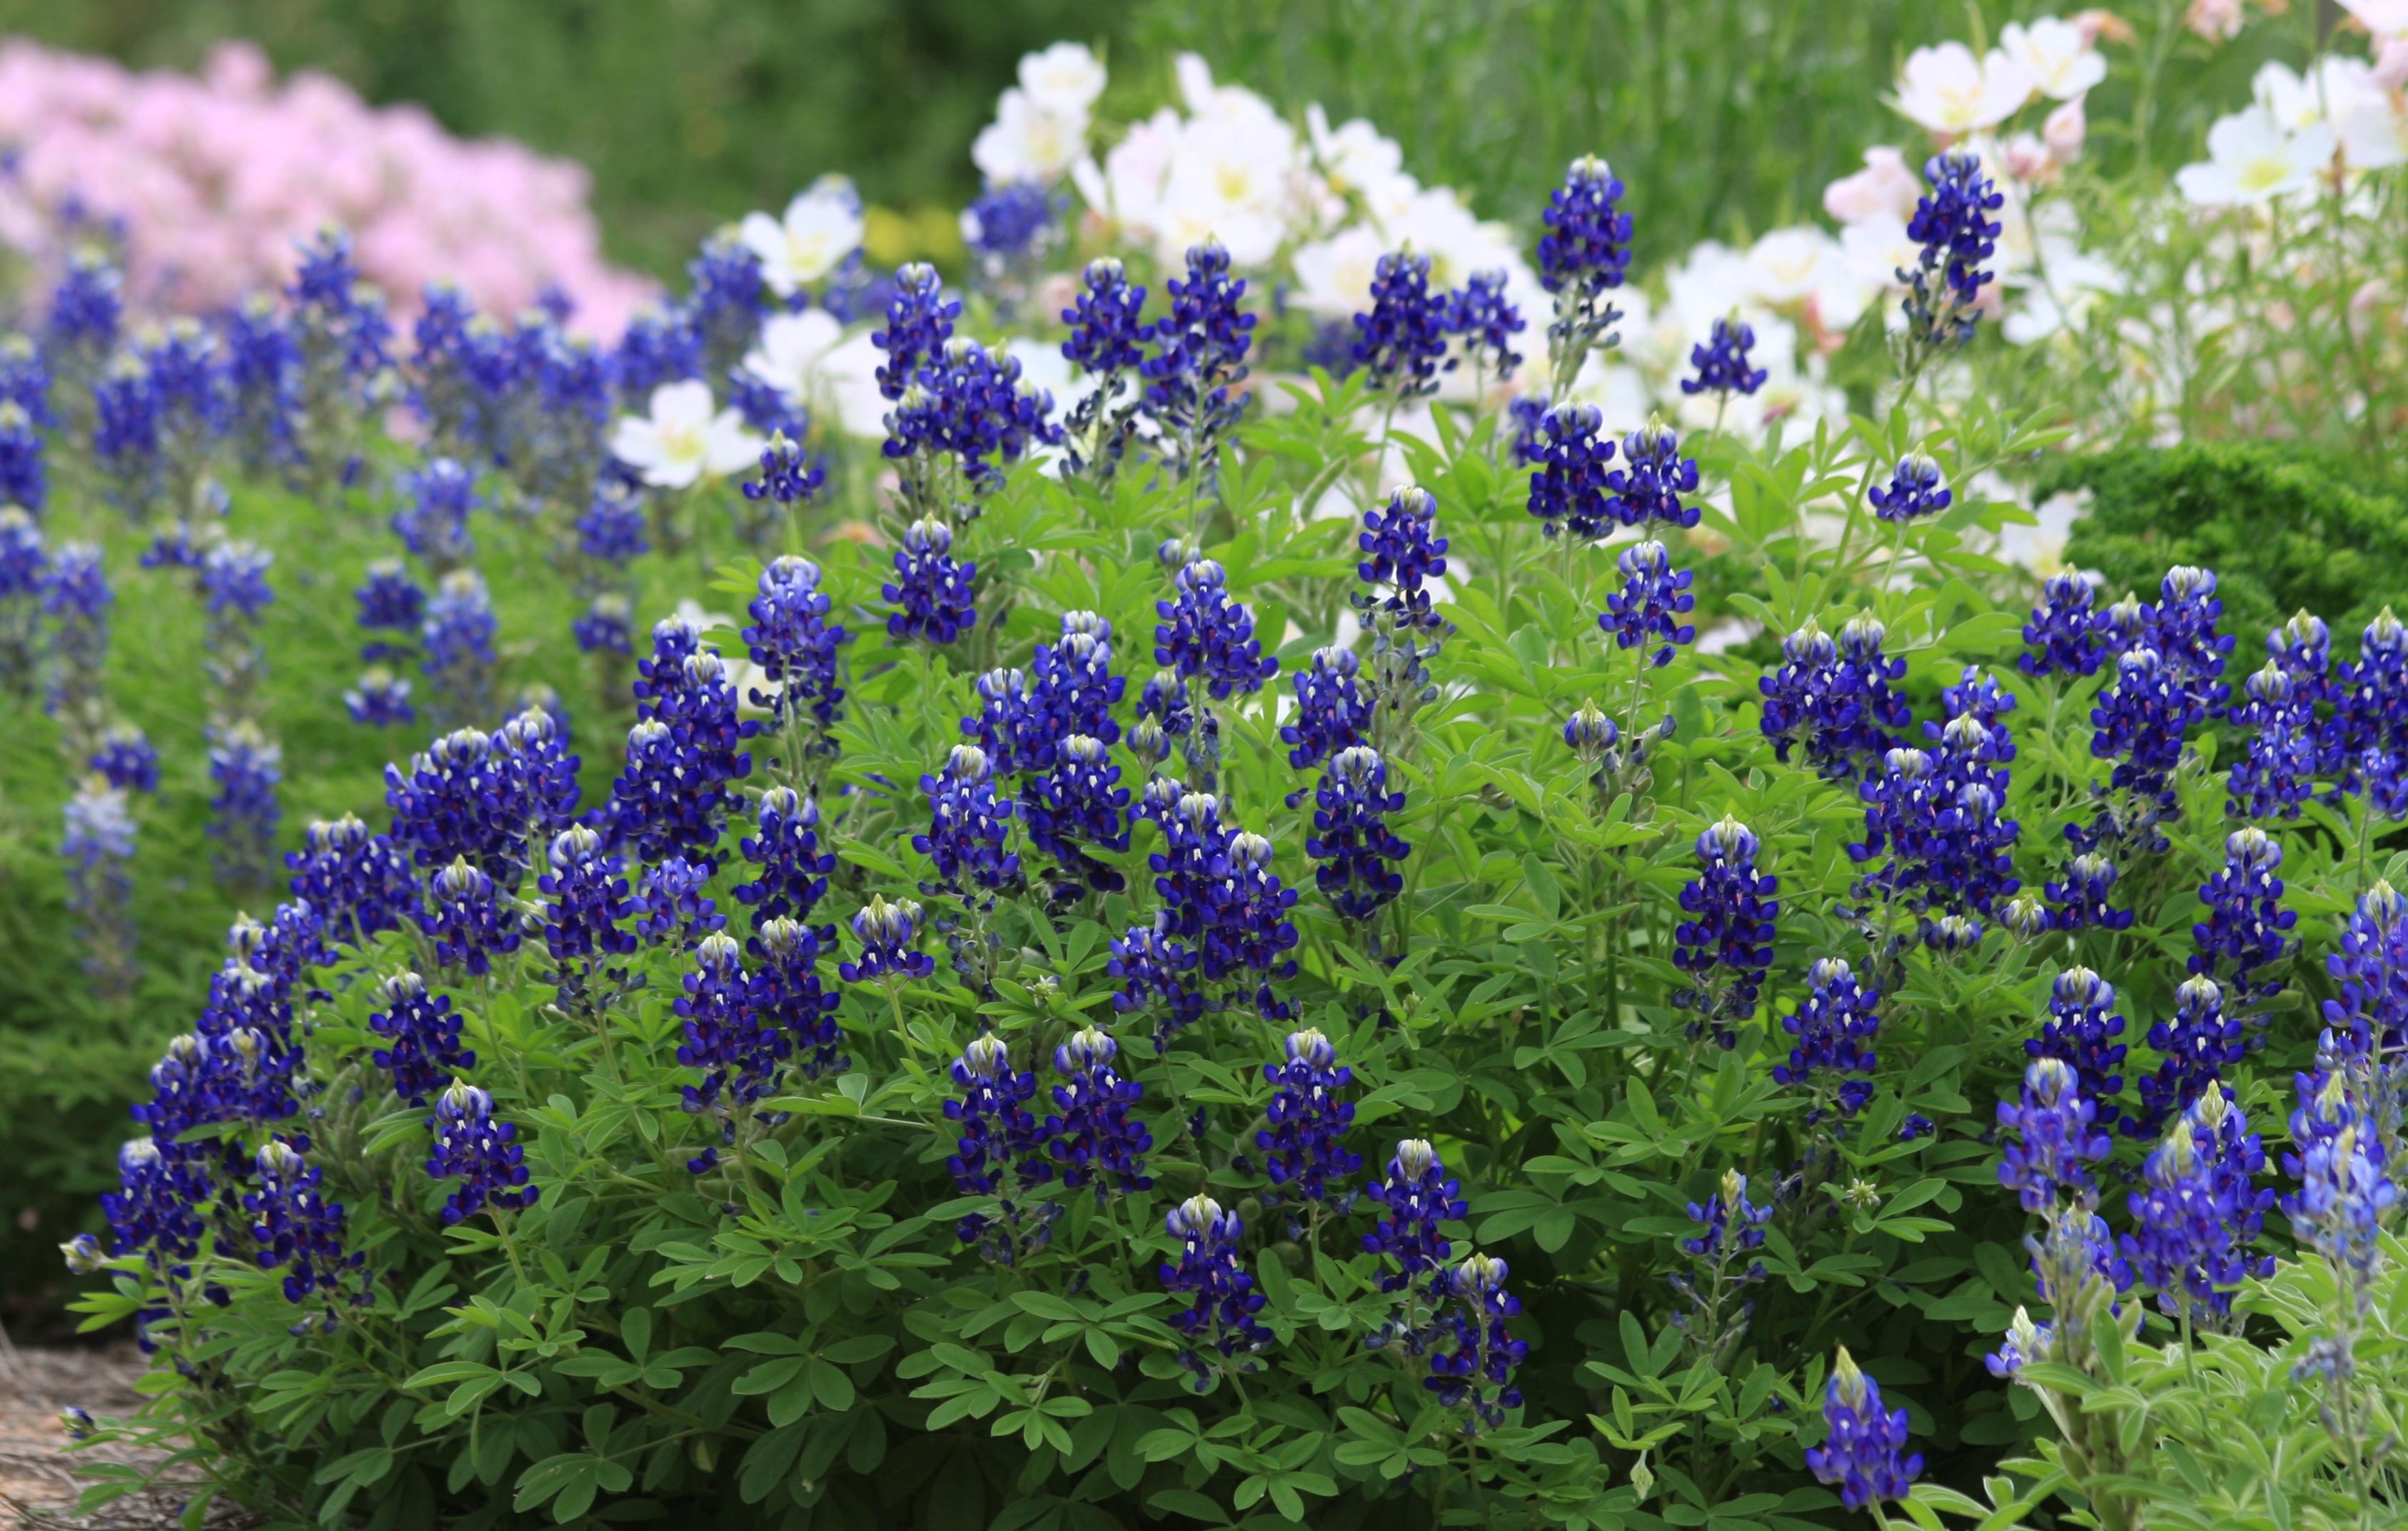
x,y
1865,1454
2369,974
1730,1230
126,760
77,597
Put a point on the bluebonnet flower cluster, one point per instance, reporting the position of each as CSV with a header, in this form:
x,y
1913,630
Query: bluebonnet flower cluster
x,y
87,307
1401,554
1938,813
234,584
1835,699
1149,967
1303,1139
605,627
1835,1025
1582,256
1092,1137
967,827
2066,635
447,804
725,1034
1725,943
2195,1047
246,768
1078,807
727,296
467,919
1913,491
390,602
1567,493
795,643
789,476
1107,342
1007,220
155,1210
971,406
98,848
931,592
1403,340
1480,312
1648,488
23,481
1199,355
2281,751
2247,929
588,894
919,321
125,438
421,1038
2081,896
1221,898
458,636
1952,224
262,364
2371,702
2370,1011
886,931
126,760
684,759
433,521
790,995
77,597
2345,1192
2188,1242
1351,837
2080,1030
480,1153
1865,1454
295,1227
1475,1366
24,564
1220,1318
675,907
2055,1138
791,870
1206,636
1722,361
999,1142
1417,1196
1074,690
1648,608
1731,1229
657,347
1330,711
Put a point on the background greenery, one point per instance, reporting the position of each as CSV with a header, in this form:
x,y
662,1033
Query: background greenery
x,y
1724,116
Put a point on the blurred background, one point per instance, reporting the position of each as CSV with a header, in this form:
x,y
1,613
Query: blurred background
x,y
690,112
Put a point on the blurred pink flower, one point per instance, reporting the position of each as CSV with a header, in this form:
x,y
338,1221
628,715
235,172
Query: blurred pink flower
x,y
215,176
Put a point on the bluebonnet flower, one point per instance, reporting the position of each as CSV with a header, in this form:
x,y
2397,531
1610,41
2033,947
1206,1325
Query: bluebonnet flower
x,y
1014,733
588,893
1722,361
2066,634
1219,1320
1648,488
1730,1230
1106,333
1728,1224
80,330
480,1153
448,804
1401,554
1351,837
263,365
187,388
1073,689
341,318
1077,807
233,583
2302,648
1205,635
1199,355
725,299
1475,1368
1403,340
1914,490
2370,974
1526,415
77,597
458,636
441,392
1007,220
789,475
1164,708
1417,1197
793,870
2195,1047
246,767
156,1211
390,602
466,918
674,904
968,825
612,528
1581,257
932,591
97,846
295,1227
1149,967
1487,321
2247,929
2056,1138
2081,894
605,627
24,588
1093,1138
1836,699
1303,1139
790,996
1648,608
126,760
683,762
1952,224
421,1038
2190,1243
1567,493
2080,1030
23,481
971,407
659,346
2345,1192
1219,895
1865,1454
1000,1142
433,522
359,882
1330,711
2281,751
724,1035
794,643
2371,705
919,321
1725,944
1938,815
1835,1025
886,931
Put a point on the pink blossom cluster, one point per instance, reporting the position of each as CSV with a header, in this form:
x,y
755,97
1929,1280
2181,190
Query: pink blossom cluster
x,y
213,177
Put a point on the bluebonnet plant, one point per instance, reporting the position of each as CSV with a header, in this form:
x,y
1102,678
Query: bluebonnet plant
x,y
421,1032
1303,1137
1834,1026
1725,943
2247,929
77,597
1646,490
1199,358
2369,972
98,846
1472,1361
1402,341
1417,1198
887,931
296,1229
1953,225
480,1153
1150,969
969,827
587,891
1721,361
932,591
1330,711
1865,1453
467,918
458,638
1076,808
1208,638
675,907
1645,614
2081,894
919,321
1351,836
999,1152
246,767
791,871
1219,1322
1485,321
24,565
25,482
1092,1137
1913,492
1583,258
1730,1230
795,645
2066,635
1107,342
126,760
433,522
2080,1030
1567,493
2194,1048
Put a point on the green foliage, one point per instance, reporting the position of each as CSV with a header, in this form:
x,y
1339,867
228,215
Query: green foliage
x,y
2284,528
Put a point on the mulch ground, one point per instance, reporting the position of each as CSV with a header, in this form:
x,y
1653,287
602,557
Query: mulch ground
x,y
38,1482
